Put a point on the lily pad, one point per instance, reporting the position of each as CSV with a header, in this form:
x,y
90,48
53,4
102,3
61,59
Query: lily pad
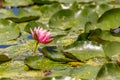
x,y
111,49
42,63
4,58
110,19
85,72
62,19
17,3
103,33
55,54
70,37
109,71
87,15
23,16
5,78
85,50
46,11
32,25
62,1
8,30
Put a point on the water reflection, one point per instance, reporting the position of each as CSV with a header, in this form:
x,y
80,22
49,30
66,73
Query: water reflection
x,y
5,46
15,11
30,37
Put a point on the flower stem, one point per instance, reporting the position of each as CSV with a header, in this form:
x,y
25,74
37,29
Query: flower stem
x,y
36,45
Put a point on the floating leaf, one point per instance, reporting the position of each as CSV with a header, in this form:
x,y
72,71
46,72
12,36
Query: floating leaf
x,y
8,30
62,1
40,62
17,3
5,78
55,54
103,8
61,19
32,25
102,35
70,37
44,1
109,71
23,16
85,72
59,74
111,49
87,15
84,50
4,58
110,19
14,66
46,11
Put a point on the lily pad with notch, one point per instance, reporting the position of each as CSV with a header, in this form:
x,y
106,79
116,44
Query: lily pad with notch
x,y
55,54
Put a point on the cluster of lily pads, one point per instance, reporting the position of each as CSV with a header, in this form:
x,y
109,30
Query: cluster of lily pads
x,y
60,40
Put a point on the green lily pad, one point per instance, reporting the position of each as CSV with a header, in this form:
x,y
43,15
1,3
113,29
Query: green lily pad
x,y
23,16
57,33
70,37
61,19
58,78
102,35
62,1
46,11
32,25
17,3
44,1
42,63
5,78
85,50
108,72
4,58
3,14
110,19
85,72
8,30
103,8
59,74
111,49
53,53
12,66
87,15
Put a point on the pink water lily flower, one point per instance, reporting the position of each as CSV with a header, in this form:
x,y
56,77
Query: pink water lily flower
x,y
41,35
